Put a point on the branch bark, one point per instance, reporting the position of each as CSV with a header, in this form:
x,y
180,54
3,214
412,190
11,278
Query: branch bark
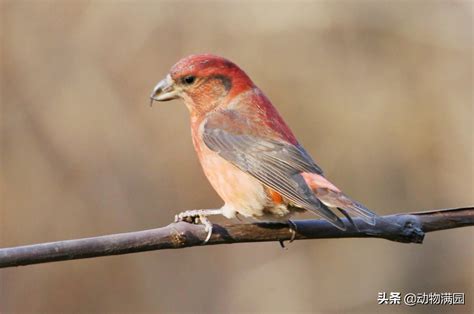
x,y
405,228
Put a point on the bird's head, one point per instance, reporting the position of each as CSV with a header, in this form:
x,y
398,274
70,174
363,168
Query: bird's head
x,y
203,81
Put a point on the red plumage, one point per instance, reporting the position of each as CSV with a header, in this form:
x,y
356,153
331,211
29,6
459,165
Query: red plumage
x,y
248,153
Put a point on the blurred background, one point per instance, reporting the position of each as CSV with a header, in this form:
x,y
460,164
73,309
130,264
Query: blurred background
x,y
379,92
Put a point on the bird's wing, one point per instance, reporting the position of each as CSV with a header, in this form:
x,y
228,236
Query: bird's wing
x,y
276,163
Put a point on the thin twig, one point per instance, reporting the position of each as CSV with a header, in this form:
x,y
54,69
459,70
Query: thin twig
x,y
406,228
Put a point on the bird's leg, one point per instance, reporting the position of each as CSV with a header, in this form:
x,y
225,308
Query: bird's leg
x,y
190,215
199,216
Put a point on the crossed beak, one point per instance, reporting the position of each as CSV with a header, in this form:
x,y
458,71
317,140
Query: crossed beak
x,y
164,90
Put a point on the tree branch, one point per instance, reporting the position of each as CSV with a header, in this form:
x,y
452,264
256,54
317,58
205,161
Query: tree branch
x,y
406,228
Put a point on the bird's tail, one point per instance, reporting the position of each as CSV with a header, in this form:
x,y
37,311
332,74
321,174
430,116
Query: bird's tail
x,y
331,196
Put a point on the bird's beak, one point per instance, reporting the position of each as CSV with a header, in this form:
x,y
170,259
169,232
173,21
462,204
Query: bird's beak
x,y
164,90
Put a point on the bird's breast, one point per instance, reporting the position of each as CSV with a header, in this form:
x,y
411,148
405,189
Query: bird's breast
x,y
241,192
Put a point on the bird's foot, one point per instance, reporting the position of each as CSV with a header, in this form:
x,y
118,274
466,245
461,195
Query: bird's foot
x,y
292,228
199,216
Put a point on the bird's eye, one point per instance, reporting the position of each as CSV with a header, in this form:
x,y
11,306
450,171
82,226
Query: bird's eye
x,y
188,80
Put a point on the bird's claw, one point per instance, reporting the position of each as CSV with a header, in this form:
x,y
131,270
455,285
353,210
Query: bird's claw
x,y
192,219
198,217
292,228
207,227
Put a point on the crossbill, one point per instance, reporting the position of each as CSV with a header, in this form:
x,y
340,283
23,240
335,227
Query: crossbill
x,y
247,151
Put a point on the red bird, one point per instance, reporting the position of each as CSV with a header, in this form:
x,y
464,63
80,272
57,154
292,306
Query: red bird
x,y
248,153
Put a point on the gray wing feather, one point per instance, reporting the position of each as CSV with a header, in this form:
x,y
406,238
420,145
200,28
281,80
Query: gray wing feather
x,y
274,163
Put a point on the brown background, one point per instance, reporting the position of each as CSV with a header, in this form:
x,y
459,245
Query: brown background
x,y
380,93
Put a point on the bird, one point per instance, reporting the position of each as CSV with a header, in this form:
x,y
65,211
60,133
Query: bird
x,y
248,153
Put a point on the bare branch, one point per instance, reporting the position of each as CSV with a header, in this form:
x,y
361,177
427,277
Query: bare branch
x,y
406,228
